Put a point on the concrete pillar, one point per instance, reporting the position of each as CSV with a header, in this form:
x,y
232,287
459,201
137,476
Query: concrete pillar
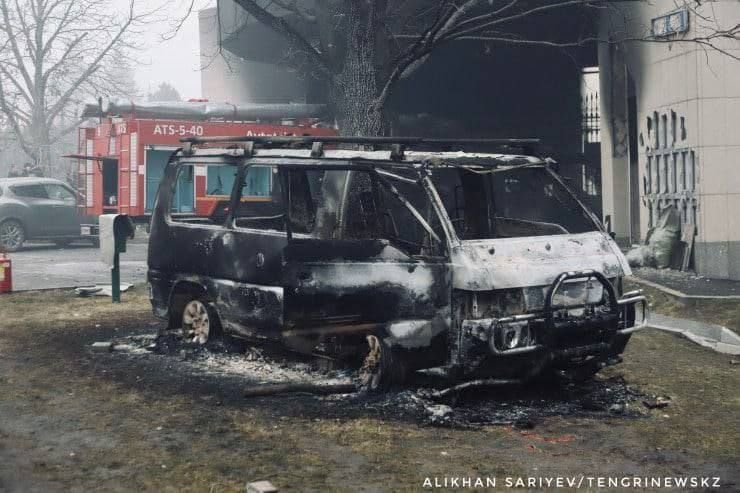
x,y
614,139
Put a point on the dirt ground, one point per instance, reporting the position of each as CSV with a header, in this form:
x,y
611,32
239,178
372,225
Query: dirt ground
x,y
75,420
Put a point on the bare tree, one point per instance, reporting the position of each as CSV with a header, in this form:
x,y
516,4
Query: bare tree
x,y
165,92
53,53
363,48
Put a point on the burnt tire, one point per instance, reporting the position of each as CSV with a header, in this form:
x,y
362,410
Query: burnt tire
x,y
383,366
199,321
12,235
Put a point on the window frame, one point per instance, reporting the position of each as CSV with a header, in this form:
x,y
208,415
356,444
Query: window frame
x,y
15,189
73,196
236,198
587,212
173,179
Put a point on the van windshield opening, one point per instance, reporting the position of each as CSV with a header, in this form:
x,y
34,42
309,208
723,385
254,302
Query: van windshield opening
x,y
509,203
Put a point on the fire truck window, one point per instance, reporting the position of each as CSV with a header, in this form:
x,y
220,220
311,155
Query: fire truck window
x,y
261,202
31,191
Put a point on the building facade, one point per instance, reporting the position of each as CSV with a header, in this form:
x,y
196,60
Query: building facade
x,y
670,114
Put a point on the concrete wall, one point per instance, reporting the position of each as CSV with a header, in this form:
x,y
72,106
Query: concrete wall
x,y
699,90
227,77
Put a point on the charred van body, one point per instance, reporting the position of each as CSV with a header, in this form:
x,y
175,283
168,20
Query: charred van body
x,y
480,265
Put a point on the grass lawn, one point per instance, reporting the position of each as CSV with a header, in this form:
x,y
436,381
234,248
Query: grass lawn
x,y
75,420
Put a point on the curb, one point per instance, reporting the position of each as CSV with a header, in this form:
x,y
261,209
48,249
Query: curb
x,y
679,294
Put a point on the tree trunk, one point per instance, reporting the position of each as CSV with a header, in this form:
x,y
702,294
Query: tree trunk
x,y
40,140
356,86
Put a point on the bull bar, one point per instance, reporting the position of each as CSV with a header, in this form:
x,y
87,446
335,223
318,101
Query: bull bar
x,y
620,312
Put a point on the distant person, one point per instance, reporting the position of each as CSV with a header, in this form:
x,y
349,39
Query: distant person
x,y
14,171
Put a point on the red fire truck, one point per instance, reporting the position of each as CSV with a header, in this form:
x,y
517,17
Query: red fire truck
x,y
122,158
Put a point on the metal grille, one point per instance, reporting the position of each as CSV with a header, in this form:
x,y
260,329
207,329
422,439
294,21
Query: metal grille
x,y
671,170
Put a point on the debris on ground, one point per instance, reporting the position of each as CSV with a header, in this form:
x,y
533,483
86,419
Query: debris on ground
x,y
261,487
656,402
102,346
305,388
100,290
660,242
267,371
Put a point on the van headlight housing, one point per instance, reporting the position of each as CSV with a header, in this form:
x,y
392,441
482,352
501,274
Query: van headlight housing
x,y
511,335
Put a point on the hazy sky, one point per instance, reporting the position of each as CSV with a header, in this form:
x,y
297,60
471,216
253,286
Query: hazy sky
x,y
176,60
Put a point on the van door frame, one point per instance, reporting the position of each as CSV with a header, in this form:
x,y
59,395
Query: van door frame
x,y
170,149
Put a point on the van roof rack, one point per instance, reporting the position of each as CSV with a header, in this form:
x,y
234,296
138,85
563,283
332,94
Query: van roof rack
x,y
398,144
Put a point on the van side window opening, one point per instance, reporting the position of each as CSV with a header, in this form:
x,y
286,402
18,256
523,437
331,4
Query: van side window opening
x,y
509,203
258,181
265,192
374,211
261,200
220,180
191,178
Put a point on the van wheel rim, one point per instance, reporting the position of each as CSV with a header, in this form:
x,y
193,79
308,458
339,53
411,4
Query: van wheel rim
x,y
11,235
195,322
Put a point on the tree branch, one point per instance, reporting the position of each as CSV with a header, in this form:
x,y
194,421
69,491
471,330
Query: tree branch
x,y
8,28
92,68
14,124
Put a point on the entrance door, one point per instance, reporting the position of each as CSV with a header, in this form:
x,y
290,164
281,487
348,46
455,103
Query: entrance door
x,y
110,185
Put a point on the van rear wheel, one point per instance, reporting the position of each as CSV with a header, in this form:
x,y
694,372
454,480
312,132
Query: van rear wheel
x,y
199,321
382,367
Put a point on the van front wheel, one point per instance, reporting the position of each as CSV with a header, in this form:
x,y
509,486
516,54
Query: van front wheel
x,y
199,322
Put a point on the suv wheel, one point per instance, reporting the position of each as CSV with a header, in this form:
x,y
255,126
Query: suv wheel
x,y
199,322
12,235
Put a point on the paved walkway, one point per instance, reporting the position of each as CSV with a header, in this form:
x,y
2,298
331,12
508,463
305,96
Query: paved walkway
x,y
715,337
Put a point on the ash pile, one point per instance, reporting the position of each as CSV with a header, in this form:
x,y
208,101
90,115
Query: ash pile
x,y
268,372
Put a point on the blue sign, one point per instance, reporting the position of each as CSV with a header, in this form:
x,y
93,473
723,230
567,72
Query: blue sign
x,y
673,23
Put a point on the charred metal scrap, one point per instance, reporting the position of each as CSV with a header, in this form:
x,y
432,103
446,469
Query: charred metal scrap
x,y
483,266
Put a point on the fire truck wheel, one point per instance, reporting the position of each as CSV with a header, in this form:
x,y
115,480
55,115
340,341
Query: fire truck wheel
x,y
12,235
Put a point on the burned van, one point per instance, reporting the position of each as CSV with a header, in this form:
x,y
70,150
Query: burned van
x,y
479,266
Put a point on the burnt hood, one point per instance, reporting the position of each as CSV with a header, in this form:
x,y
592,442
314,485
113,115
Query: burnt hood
x,y
504,263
